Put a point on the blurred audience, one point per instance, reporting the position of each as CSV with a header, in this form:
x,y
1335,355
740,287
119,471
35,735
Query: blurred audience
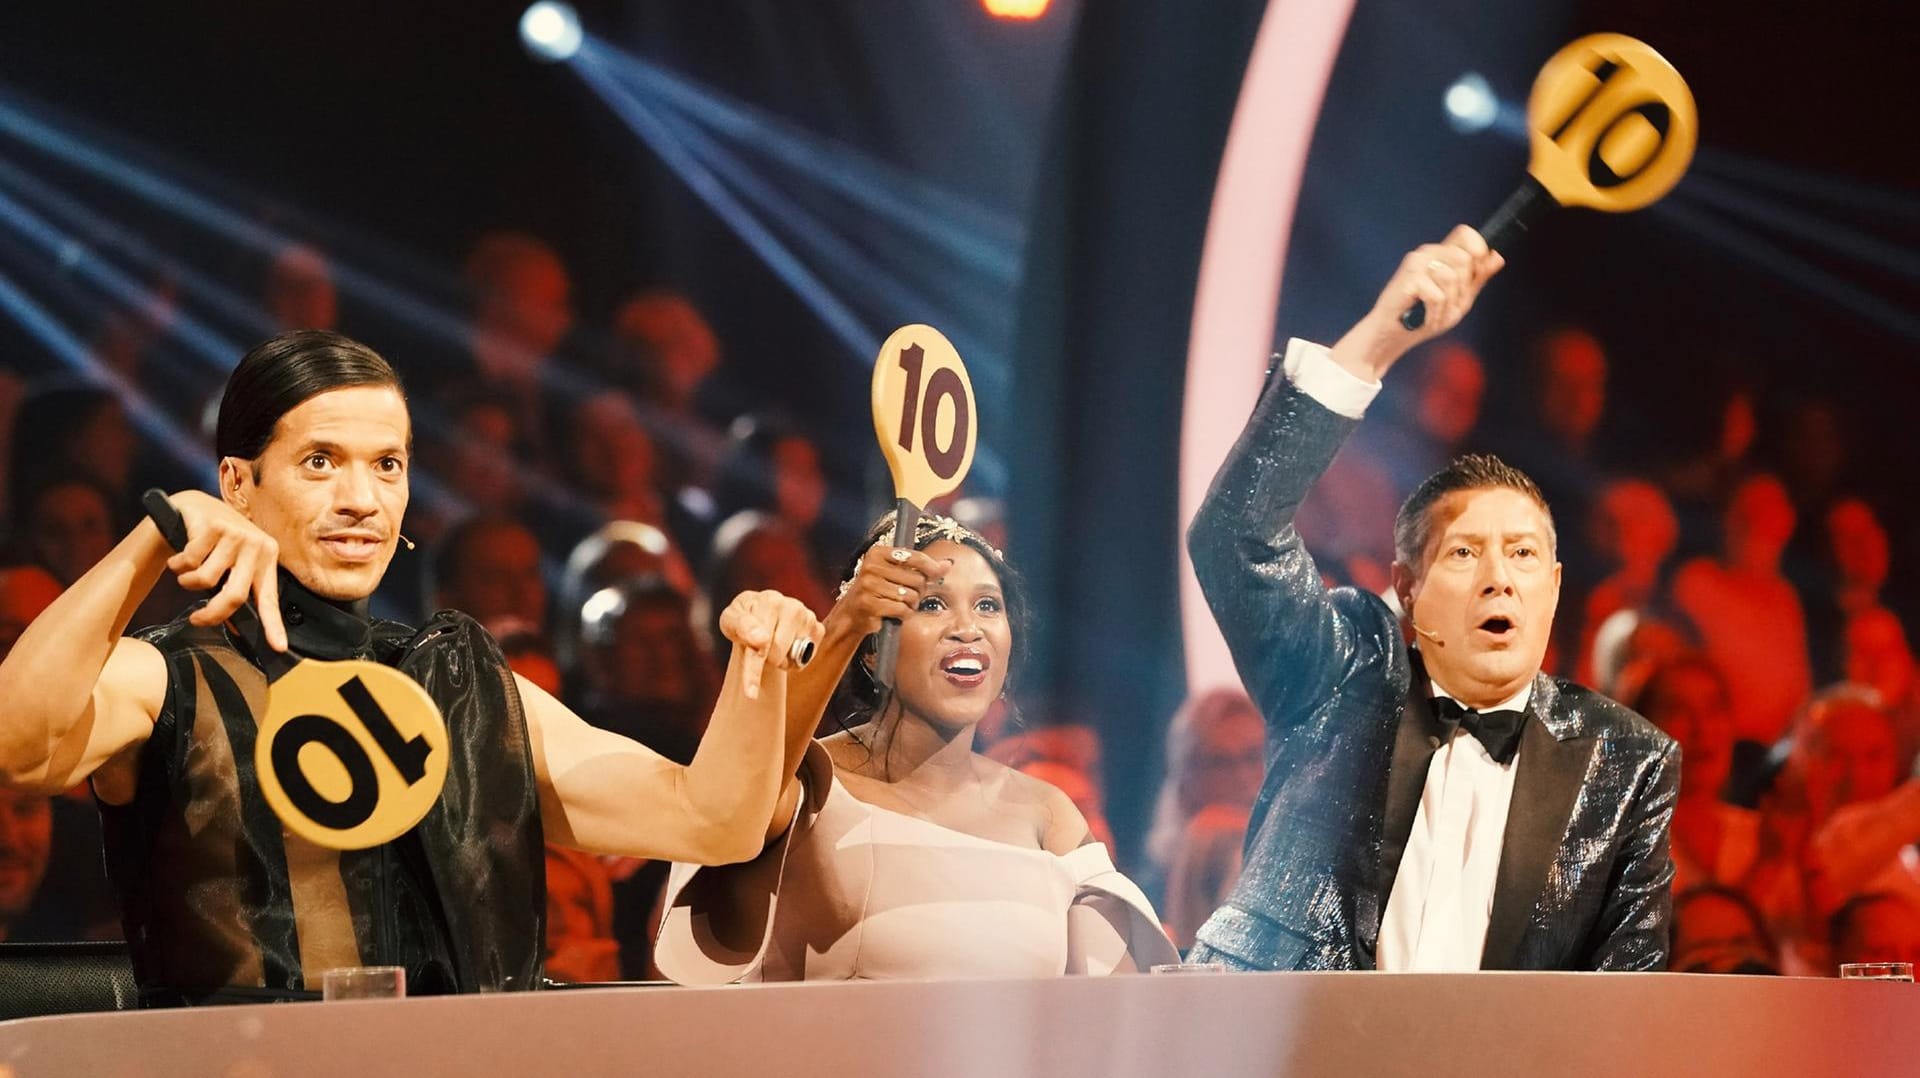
x,y
640,666
1839,822
1717,930
1812,453
1876,928
1633,532
53,883
1861,555
298,292
1216,757
617,551
609,460
1855,559
639,670
522,311
1749,615
25,590
68,431
665,353
1070,744
1633,643
1556,440
756,551
580,943
771,467
26,843
1879,657
1080,788
1714,843
489,567
1347,519
66,525
477,461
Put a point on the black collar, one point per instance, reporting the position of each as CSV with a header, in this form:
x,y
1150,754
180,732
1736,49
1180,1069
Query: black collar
x,y
320,628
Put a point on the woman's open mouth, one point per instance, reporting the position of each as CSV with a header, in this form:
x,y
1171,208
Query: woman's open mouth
x,y
966,668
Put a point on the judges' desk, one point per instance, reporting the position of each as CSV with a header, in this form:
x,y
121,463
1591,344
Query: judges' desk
x,y
1184,1025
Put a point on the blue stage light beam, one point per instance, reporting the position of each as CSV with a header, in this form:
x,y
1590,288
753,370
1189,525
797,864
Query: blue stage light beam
x,y
840,320
70,351
94,229
968,233
172,196
893,300
164,194
1767,257
66,253
235,227
1853,196
1818,231
179,439
666,138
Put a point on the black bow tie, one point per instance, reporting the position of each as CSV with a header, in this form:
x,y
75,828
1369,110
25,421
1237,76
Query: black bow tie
x,y
1499,731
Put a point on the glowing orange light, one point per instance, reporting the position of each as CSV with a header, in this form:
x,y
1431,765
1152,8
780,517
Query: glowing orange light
x,y
1016,9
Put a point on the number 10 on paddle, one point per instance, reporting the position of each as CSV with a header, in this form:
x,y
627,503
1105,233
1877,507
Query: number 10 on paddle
x,y
924,416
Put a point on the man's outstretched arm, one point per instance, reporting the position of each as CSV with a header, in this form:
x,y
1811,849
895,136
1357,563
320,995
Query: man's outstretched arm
x,y
1262,585
76,692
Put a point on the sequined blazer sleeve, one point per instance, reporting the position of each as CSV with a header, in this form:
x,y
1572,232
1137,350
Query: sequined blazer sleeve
x,y
1291,639
1633,931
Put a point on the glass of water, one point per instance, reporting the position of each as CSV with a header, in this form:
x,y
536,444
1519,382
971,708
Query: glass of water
x,y
364,982
1877,971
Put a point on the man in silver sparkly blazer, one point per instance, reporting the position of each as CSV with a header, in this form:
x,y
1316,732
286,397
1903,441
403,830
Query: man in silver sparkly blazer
x,y
1432,801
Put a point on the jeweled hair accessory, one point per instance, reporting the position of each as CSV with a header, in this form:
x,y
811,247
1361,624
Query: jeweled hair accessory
x,y
930,527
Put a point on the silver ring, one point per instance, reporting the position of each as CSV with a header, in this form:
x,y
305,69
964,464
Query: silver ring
x,y
801,653
901,590
898,555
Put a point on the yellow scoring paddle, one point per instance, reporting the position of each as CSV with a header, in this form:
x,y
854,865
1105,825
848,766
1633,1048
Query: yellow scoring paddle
x,y
1612,127
351,753
924,416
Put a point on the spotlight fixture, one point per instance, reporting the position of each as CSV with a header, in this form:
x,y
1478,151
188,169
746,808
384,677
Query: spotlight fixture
x,y
1471,106
551,31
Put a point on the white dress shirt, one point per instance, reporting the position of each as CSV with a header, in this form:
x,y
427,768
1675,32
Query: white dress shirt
x,y
1442,898
1436,916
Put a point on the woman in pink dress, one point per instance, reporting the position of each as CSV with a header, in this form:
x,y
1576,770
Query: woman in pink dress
x,y
898,851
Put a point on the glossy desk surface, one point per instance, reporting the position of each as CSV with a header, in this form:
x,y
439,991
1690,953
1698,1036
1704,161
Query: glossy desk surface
x,y
1185,1025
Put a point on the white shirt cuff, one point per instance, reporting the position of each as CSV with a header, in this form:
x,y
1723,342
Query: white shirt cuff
x,y
1311,367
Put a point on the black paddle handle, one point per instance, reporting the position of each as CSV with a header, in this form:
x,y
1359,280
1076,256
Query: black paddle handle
x,y
160,510
245,621
906,521
1515,217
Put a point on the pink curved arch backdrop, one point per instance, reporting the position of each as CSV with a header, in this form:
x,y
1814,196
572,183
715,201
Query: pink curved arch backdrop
x,y
1237,291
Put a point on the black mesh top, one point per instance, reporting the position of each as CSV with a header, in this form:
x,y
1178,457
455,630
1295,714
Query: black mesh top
x,y
220,902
